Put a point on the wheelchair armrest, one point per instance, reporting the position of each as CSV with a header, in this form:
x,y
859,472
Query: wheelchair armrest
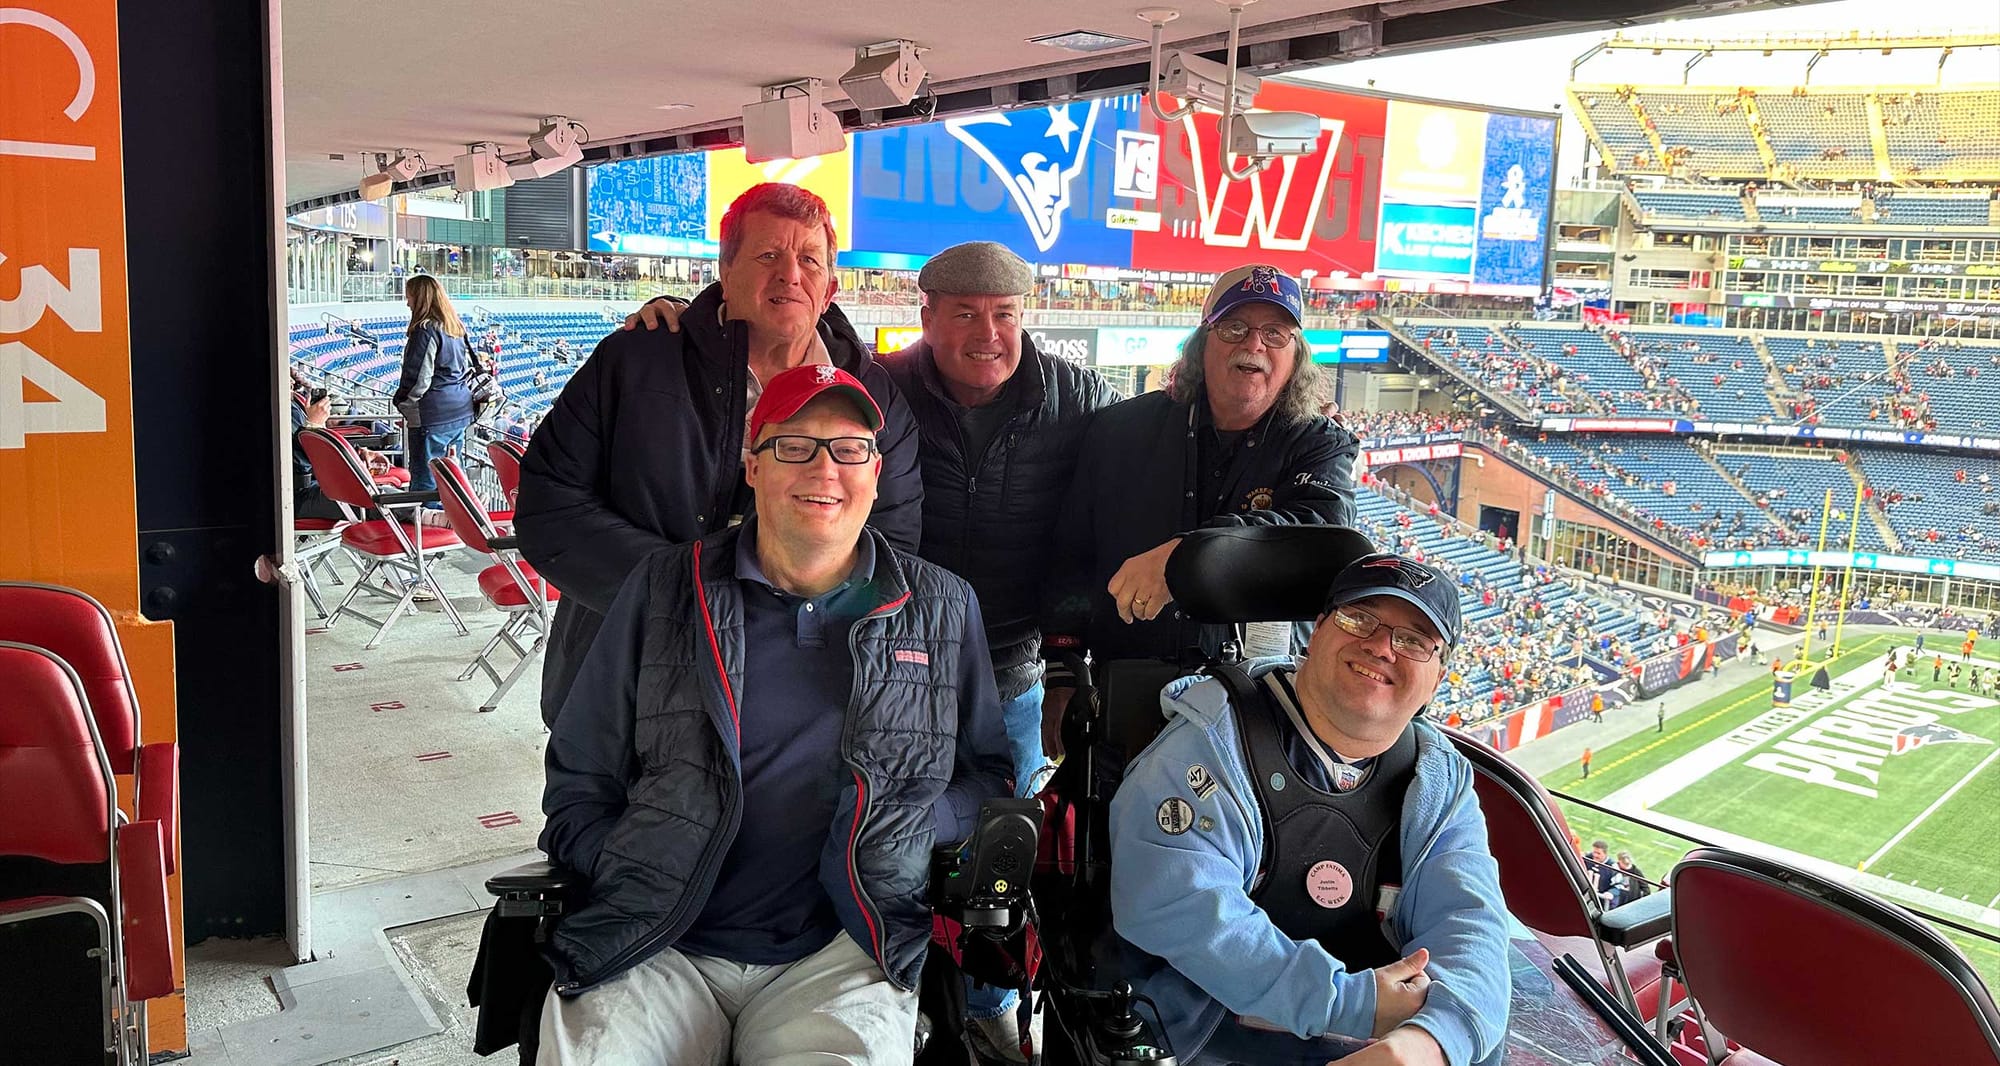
x,y
403,499
501,544
1638,922
537,880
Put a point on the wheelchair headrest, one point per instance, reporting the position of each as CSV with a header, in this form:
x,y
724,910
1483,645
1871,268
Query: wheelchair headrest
x,y
1260,573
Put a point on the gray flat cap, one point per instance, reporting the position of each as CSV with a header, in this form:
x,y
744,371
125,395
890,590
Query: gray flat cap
x,y
977,268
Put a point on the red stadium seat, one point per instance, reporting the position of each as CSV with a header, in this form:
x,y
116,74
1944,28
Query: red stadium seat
x,y
395,548
506,454
58,805
77,629
1795,968
510,584
1548,889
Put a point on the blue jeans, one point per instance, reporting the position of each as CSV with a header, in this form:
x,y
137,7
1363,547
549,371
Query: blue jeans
x,y
1022,717
427,444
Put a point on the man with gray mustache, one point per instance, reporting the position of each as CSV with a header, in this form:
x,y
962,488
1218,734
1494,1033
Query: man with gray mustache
x,y
1235,439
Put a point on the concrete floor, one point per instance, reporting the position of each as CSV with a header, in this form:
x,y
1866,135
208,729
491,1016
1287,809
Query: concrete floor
x,y
414,795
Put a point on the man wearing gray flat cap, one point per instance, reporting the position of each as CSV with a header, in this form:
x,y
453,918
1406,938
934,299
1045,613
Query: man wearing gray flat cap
x,y
999,428
999,425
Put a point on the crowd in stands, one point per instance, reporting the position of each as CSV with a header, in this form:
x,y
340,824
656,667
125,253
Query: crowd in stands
x,y
1382,425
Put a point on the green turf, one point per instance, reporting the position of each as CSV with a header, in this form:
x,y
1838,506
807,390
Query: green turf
x,y
1951,852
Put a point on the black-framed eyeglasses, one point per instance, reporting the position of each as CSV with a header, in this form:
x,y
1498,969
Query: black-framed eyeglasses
x,y
1407,643
1235,330
847,451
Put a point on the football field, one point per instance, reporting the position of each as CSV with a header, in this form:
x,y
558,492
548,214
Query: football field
x,y
1893,789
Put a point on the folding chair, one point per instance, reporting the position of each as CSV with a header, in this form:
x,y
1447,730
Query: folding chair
x,y
506,453
510,584
1799,969
75,628
59,804
1547,888
395,547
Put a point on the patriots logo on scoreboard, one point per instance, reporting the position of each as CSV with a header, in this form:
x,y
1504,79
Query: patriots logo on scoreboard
x,y
1910,738
1414,574
1037,154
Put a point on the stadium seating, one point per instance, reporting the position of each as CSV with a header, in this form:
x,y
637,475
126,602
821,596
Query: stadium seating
x,y
1713,127
1933,500
1739,398
1719,204
1596,365
1815,134
1701,502
1846,400
1802,483
1620,136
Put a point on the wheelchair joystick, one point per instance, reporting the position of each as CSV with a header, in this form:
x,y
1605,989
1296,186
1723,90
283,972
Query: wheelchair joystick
x,y
1123,1022
1128,1032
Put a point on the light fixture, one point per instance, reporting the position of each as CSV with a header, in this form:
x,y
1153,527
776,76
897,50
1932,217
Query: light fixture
x,y
791,123
406,165
1086,41
557,145
883,75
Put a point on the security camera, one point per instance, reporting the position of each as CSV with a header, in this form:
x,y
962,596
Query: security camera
x,y
1273,133
1206,82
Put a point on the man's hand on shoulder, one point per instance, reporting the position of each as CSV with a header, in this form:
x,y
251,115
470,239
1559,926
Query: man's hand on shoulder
x,y
1407,1046
658,311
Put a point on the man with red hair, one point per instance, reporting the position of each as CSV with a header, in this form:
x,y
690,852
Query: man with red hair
x,y
646,446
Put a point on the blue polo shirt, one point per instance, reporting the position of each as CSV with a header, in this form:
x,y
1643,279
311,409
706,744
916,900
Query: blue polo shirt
x,y
768,906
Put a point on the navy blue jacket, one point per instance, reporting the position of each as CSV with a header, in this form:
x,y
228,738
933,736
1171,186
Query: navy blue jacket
x,y
435,391
643,449
644,791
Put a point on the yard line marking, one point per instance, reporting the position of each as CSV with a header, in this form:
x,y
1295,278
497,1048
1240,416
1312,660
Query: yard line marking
x,y
1932,809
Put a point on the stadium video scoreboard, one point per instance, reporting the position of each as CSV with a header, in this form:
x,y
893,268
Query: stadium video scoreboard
x,y
1398,194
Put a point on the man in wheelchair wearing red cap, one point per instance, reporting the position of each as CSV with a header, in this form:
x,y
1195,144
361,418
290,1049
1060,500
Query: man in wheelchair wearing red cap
x,y
1302,866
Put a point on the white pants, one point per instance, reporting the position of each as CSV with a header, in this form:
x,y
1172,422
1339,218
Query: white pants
x,y
832,1008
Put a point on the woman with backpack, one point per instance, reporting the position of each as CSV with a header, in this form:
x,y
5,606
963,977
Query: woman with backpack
x,y
435,394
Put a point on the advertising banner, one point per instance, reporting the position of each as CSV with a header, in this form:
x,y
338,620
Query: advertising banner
x,y
1105,185
1312,212
1079,346
1426,239
1037,180
1139,346
1348,345
67,486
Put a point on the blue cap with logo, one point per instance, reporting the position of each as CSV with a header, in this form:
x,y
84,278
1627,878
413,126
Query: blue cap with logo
x,y
1258,283
1389,574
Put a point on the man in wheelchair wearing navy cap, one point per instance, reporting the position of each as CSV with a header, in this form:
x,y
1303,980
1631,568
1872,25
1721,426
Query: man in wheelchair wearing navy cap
x,y
1299,862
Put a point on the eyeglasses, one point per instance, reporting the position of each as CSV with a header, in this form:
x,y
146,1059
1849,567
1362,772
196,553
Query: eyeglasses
x,y
847,451
1235,331
1407,643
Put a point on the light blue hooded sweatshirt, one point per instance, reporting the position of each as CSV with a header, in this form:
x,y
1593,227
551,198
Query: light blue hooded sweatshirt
x,y
1185,897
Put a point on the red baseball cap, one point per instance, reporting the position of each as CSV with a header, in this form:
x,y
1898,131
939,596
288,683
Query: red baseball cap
x,y
785,394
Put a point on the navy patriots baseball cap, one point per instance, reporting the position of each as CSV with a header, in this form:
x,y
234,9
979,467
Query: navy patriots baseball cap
x,y
1258,283
1389,574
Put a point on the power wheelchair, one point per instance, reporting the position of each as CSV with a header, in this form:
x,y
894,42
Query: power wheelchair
x,y
1050,929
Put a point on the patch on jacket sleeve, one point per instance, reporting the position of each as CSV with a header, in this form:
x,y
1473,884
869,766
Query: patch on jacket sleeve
x,y
1200,781
1175,816
908,655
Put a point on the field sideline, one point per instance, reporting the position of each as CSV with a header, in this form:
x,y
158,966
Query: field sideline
x,y
1893,791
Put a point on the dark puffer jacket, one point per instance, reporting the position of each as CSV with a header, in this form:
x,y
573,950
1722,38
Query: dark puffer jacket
x,y
991,518
645,787
1139,482
644,449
